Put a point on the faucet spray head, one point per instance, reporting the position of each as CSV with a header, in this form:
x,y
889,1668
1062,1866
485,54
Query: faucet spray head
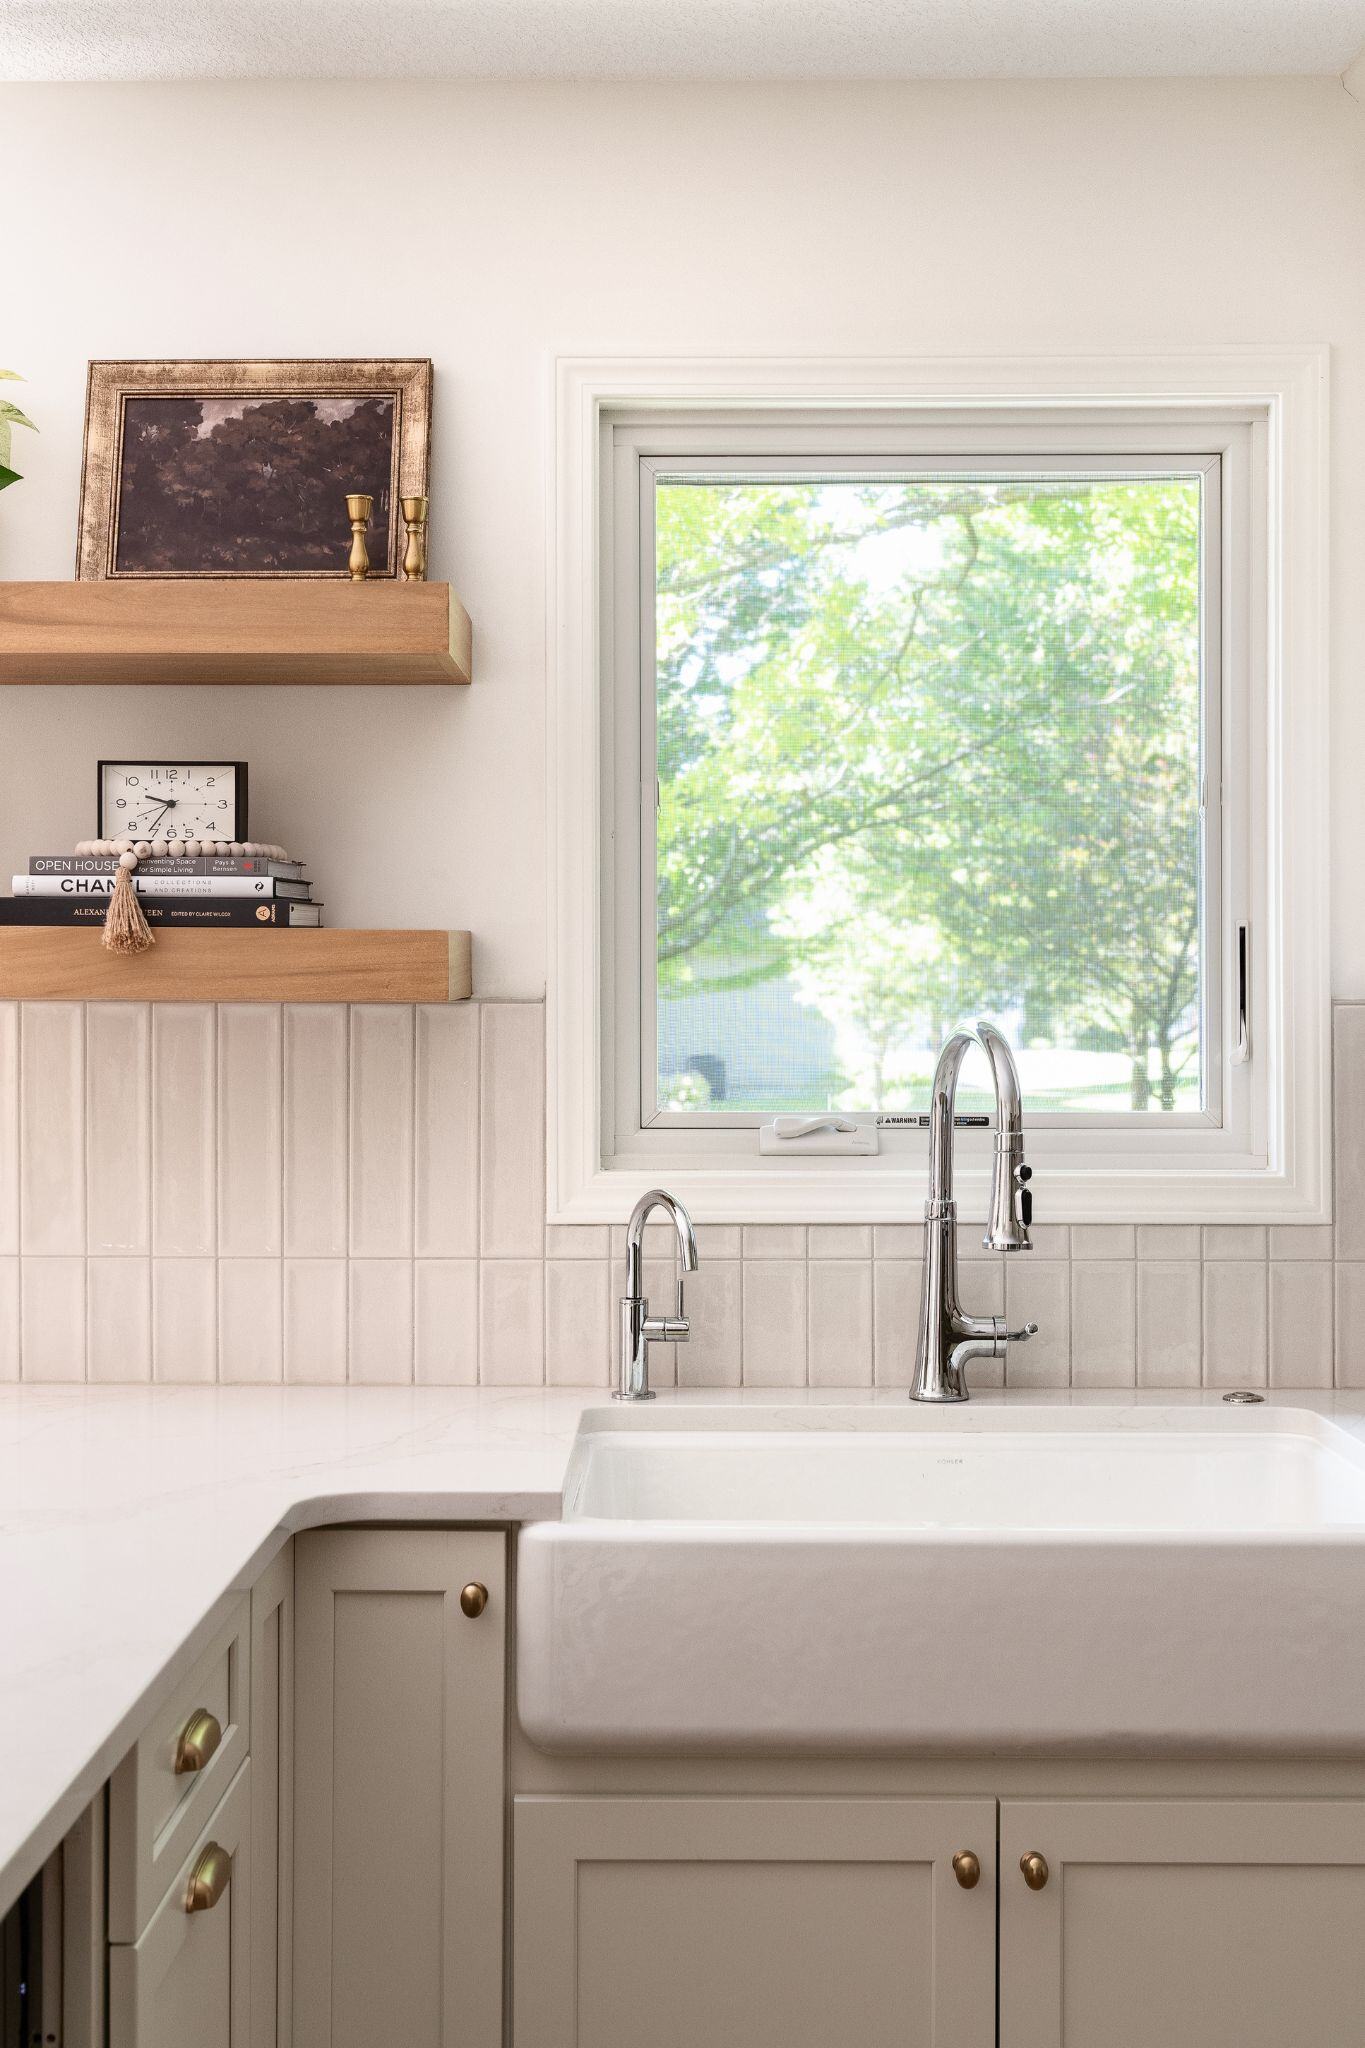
x,y
1011,1202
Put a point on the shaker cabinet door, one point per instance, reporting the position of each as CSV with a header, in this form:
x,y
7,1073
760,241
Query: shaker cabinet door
x,y
398,1777
752,1923
1196,1923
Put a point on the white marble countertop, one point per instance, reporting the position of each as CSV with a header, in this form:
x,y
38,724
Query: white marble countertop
x,y
127,1514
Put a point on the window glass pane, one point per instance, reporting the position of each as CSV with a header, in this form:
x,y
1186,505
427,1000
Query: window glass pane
x,y
927,747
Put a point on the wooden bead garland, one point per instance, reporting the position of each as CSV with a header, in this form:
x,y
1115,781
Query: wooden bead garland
x,y
125,928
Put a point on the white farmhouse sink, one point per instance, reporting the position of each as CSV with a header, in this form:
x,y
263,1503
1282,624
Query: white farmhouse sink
x,y
1174,1580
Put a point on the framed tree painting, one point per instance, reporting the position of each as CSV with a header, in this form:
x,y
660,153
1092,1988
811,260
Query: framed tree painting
x,y
243,468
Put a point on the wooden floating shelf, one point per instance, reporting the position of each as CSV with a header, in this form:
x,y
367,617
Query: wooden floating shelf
x,y
189,630
54,963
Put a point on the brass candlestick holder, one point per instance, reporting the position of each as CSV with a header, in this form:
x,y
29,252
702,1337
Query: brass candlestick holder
x,y
415,557
358,509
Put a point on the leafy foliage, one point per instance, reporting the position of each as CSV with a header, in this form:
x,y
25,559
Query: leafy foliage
x,y
10,417
932,743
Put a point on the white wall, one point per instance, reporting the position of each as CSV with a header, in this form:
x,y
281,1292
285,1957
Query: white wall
x,y
492,227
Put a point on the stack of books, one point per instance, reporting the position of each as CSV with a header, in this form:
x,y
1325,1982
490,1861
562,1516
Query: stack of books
x,y
222,889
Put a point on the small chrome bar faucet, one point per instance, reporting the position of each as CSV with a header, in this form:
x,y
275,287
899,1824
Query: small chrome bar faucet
x,y
948,1337
639,1329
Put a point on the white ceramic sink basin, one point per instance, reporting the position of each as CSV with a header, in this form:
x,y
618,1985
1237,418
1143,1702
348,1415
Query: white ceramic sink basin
x,y
1182,1580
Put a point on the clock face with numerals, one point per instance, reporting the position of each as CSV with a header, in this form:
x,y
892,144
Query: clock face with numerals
x,y
172,800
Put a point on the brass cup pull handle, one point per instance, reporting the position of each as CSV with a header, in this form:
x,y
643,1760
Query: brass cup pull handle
x,y
1035,1870
199,1738
473,1599
209,1879
967,1869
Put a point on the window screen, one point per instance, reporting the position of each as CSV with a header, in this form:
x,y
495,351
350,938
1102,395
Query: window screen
x,y
925,747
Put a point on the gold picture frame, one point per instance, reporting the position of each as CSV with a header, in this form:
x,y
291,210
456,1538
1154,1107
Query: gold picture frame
x,y
254,484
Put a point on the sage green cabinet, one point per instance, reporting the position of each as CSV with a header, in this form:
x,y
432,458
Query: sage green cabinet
x,y
1195,1923
752,1923
398,1789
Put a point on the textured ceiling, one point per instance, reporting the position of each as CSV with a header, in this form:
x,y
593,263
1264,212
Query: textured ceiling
x,y
697,39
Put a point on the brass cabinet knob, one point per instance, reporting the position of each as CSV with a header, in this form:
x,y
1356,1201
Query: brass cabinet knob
x,y
473,1599
1035,1870
199,1738
967,1869
209,1879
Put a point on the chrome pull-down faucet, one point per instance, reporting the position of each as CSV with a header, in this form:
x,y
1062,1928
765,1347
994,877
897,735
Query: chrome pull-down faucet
x,y
948,1338
639,1329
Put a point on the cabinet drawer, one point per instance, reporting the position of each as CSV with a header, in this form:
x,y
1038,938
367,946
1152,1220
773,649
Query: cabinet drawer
x,y
158,1801
187,1979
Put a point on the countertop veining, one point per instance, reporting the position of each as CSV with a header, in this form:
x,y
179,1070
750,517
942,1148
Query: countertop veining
x,y
128,1514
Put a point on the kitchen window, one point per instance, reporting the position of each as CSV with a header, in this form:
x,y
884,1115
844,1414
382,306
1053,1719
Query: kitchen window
x,y
906,720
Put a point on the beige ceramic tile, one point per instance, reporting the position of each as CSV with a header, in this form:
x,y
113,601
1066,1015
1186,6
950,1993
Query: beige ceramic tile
x,y
446,1219
185,1321
981,1286
1301,1324
1234,1241
1036,1291
445,1304
896,1287
1050,1240
511,1323
118,1127
1235,1324
714,1299
53,1318
52,1132
315,1316
380,1346
719,1240
9,1319
512,1131
898,1240
839,1323
577,1323
9,1130
1349,1349
1302,1241
1169,1241
1348,1092
774,1240
184,1128
839,1241
381,1130
250,1076
1169,1323
1103,1241
250,1321
577,1241
1103,1323
774,1322
118,1320
316,1090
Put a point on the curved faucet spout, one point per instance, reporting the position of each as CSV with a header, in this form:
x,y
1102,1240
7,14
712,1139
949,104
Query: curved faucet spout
x,y
657,1198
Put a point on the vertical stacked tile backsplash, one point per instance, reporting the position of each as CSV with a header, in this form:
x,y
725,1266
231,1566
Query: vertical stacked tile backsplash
x,y
320,1193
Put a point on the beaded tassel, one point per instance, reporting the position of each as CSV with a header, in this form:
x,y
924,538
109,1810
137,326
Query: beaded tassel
x,y
125,928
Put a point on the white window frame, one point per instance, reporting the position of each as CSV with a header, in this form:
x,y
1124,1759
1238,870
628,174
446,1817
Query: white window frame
x,y
1263,414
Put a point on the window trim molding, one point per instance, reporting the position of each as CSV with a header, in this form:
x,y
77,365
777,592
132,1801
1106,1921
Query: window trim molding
x,y
1287,388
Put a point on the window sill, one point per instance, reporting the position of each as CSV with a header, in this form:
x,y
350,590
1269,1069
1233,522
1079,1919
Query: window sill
x,y
869,1191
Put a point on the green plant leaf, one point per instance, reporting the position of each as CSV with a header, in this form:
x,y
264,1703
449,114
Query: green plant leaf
x,y
12,412
8,476
12,373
